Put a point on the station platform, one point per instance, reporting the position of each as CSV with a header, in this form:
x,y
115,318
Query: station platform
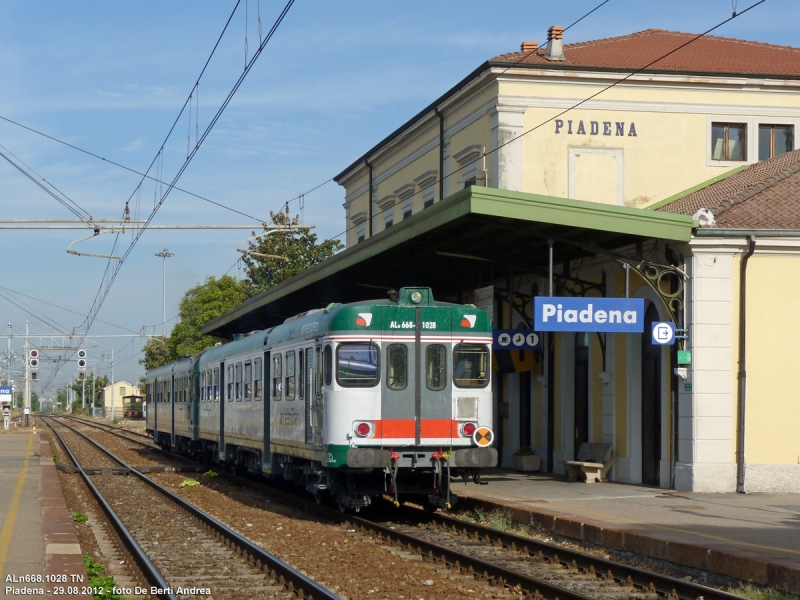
x,y
37,538
751,537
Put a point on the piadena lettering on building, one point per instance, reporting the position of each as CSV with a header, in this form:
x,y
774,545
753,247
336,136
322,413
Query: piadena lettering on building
x,y
610,128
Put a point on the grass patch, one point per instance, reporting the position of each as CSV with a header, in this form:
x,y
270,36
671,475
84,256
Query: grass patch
x,y
188,483
102,585
753,592
55,457
211,473
497,518
79,518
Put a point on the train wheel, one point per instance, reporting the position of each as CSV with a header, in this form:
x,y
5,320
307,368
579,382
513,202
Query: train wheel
x,y
319,497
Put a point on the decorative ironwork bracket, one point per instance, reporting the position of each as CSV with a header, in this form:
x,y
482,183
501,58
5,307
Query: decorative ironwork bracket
x,y
660,278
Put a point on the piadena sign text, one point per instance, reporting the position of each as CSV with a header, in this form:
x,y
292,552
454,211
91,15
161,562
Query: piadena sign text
x,y
615,128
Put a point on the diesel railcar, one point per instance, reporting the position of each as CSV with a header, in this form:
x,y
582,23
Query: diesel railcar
x,y
351,401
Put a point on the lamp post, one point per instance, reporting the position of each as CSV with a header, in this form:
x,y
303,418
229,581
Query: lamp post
x,y
165,254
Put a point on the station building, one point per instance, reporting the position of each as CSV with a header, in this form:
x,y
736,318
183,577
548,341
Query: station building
x,y
579,170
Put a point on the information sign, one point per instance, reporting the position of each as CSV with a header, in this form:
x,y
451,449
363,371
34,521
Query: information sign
x,y
515,339
620,315
664,334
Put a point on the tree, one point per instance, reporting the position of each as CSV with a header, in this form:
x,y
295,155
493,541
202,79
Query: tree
x,y
198,306
100,383
299,246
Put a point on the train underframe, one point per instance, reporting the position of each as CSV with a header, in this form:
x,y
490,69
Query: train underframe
x,y
420,475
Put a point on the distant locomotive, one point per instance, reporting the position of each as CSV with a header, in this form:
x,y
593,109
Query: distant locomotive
x,y
351,401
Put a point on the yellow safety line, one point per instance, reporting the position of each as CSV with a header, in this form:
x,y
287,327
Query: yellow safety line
x,y
705,535
11,515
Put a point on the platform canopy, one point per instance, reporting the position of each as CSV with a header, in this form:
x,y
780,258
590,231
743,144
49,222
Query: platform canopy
x,y
456,245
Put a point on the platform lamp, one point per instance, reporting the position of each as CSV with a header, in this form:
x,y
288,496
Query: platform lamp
x,y
165,254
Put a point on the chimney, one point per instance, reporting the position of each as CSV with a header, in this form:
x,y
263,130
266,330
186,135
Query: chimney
x,y
555,45
529,47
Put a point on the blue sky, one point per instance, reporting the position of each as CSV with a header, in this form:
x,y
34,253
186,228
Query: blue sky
x,y
111,77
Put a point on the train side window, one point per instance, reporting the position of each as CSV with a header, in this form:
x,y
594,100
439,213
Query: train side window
x,y
186,388
277,377
238,382
397,366
328,368
290,375
471,365
258,377
248,380
357,364
209,386
318,377
435,363
301,383
230,383
216,384
203,386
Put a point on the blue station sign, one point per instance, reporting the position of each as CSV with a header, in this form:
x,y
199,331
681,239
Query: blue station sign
x,y
613,315
515,339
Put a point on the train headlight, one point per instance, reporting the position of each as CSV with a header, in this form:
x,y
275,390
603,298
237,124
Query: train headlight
x,y
363,429
468,429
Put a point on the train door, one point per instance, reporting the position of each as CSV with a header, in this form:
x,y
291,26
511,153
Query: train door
x,y
222,395
266,462
318,407
172,401
400,385
435,368
308,385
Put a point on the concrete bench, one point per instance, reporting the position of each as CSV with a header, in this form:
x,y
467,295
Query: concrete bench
x,y
594,462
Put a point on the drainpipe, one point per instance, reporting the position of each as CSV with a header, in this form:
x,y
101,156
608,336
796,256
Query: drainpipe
x,y
742,375
441,153
369,198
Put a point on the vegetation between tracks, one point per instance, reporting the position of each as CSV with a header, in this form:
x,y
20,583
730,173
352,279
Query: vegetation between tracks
x,y
753,592
102,586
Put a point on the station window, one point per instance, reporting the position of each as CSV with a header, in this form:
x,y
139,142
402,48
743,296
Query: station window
x,y
328,364
238,382
729,141
230,383
290,377
248,380
435,365
774,140
257,379
397,366
216,384
471,365
357,364
276,377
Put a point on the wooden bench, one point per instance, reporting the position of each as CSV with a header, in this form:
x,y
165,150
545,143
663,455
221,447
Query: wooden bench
x,y
594,462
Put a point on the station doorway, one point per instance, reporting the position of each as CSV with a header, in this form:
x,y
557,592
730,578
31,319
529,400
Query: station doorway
x,y
651,401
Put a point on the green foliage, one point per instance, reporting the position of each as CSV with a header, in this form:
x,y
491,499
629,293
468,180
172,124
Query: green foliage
x,y
498,518
188,483
754,592
79,388
115,421
92,568
525,451
211,473
299,246
55,457
79,518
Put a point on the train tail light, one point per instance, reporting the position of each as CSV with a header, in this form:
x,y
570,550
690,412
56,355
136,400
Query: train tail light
x,y
467,429
364,428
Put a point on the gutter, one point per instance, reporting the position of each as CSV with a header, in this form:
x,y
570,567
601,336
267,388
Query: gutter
x,y
771,233
441,153
742,374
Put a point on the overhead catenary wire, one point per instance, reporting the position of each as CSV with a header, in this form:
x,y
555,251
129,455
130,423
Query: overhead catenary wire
x,y
574,106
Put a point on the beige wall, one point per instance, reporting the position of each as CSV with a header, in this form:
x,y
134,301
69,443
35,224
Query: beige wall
x,y
121,388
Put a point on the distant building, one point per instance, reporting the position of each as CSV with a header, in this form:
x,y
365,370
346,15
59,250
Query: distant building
x,y
121,388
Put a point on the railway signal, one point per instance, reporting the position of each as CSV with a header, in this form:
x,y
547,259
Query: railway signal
x,y
81,362
33,363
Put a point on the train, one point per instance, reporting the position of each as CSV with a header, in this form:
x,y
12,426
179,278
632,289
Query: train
x,y
352,401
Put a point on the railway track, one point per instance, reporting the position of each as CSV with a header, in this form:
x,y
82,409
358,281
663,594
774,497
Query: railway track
x,y
182,551
504,559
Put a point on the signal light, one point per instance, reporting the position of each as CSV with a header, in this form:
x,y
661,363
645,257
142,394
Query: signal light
x,y
33,353
363,429
81,363
469,429
34,363
34,375
81,353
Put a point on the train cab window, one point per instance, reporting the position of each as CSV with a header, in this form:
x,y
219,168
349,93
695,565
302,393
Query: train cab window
x,y
257,379
239,382
290,375
357,364
277,377
328,366
435,366
216,384
471,365
248,380
230,383
318,377
397,367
